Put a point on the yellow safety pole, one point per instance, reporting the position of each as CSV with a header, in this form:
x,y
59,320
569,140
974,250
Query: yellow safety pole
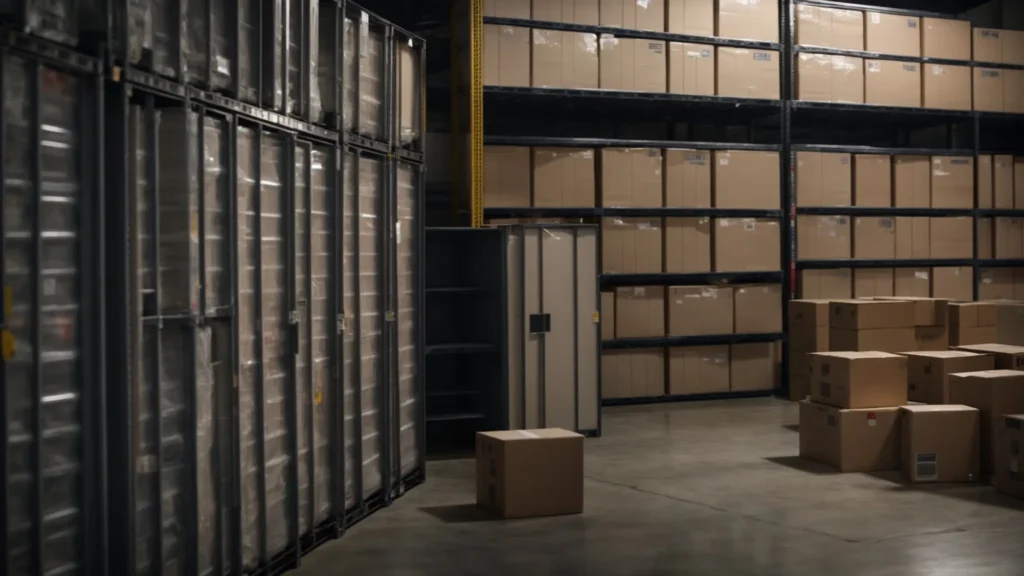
x,y
476,107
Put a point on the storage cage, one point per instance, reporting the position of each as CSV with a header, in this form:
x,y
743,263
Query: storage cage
x,y
409,102
52,321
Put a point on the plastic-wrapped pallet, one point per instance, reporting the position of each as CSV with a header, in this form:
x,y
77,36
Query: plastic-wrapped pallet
x,y
364,56
48,315
409,91
406,241
371,319
55,20
350,280
248,155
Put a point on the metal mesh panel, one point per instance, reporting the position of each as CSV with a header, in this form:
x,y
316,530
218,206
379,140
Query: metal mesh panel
x,y
349,347
303,382
248,46
216,204
179,212
43,384
370,320
407,240
322,325
198,43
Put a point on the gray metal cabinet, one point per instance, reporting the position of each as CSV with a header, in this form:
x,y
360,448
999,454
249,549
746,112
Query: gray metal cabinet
x,y
554,328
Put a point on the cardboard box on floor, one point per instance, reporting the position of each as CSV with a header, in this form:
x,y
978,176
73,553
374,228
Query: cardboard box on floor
x,y
747,244
698,370
823,237
506,56
863,440
633,373
758,309
941,443
892,34
972,323
640,312
700,310
858,379
829,27
745,73
808,325
818,284
529,473
994,393
1009,479
824,179
928,372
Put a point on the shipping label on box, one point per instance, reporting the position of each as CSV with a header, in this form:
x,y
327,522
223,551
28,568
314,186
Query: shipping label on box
x,y
941,443
650,66
995,393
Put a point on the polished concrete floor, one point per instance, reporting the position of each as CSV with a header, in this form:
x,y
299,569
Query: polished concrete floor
x,y
695,489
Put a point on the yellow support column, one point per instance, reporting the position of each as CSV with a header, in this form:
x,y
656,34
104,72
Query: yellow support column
x,y
476,112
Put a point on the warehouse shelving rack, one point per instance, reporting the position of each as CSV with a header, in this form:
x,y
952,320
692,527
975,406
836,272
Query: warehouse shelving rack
x,y
757,115
101,513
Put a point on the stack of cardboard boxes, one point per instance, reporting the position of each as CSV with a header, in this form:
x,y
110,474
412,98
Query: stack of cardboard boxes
x,y
998,89
654,312
520,56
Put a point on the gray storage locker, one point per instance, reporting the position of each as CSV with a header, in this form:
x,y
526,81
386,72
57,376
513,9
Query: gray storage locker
x,y
51,383
554,328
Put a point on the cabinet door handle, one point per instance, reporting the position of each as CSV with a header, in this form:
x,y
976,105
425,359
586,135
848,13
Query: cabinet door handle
x,y
540,323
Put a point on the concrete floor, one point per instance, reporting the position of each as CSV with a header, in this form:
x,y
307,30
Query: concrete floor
x,y
712,488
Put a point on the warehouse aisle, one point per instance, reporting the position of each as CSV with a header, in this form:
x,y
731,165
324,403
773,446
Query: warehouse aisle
x,y
695,489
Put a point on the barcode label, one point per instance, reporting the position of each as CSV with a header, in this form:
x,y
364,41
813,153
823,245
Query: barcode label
x,y
762,56
910,67
990,74
926,467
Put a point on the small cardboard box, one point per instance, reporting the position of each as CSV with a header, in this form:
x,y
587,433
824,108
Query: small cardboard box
x,y
1007,357
506,56
872,180
690,17
874,238
824,179
892,34
700,310
988,45
1009,479
747,20
892,83
506,176
972,323
640,312
988,90
758,309
864,440
912,182
946,38
747,245
952,238
858,379
746,179
687,178
825,78
947,87
529,473
941,443
687,245
808,325
698,370
872,314
631,246
928,372
746,73
995,393
826,284
631,177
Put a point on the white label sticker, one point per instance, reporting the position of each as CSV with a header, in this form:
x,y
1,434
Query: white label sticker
x,y
643,3
874,66
876,18
921,275
723,161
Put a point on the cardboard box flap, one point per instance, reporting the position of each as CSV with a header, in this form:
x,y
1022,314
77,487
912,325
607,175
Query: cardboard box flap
x,y
944,354
938,408
872,314
991,374
524,435
993,348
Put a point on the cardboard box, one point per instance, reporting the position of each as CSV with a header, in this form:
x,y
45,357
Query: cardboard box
x,y
928,372
691,17
912,282
808,325
1018,284
952,238
640,312
947,87
913,238
988,45
873,282
506,56
865,440
872,180
687,245
829,27
584,12
632,15
700,310
508,9
984,178
1013,47
633,373
748,19
529,473
946,38
823,237
632,65
894,340
825,78
564,177
746,179
941,443
747,245
927,311
858,379
691,69
1007,357
872,314
607,316
752,367
799,388
1010,324
800,363
972,323
687,178
744,73
631,246
1008,478
984,239
892,83
824,179
953,283
892,34
874,238
1008,234
994,393
1013,91
631,177
758,309
564,60
1018,182
698,370
995,284
1003,181
815,284
912,182
988,90
506,176
952,182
